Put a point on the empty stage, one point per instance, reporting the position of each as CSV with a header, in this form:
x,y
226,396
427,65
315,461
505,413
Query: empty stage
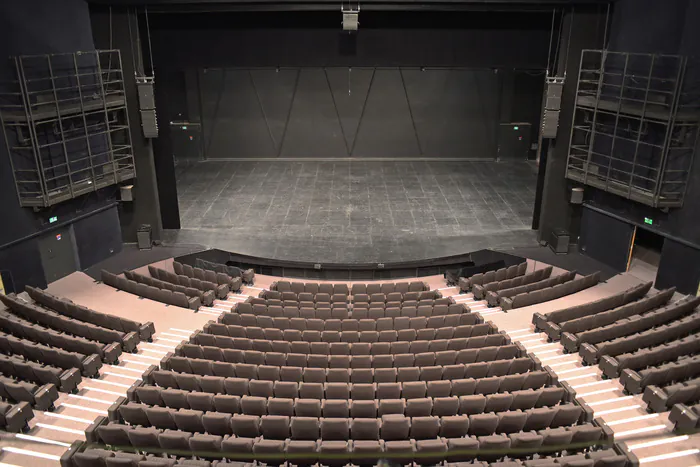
x,y
355,211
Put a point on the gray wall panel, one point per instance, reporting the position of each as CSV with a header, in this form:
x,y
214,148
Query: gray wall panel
x,y
454,111
339,112
313,129
386,129
350,87
232,119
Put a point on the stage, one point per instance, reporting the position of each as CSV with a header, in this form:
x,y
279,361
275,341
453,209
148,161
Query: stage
x,y
355,211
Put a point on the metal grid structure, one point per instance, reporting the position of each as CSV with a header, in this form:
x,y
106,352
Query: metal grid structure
x,y
66,125
635,126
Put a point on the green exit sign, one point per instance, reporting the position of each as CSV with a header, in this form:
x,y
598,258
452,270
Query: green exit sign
x,y
648,220
53,219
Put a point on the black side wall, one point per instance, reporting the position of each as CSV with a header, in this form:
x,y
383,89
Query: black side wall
x,y
40,27
645,26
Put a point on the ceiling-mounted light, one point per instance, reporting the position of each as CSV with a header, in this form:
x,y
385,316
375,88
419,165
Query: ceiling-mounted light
x,y
350,17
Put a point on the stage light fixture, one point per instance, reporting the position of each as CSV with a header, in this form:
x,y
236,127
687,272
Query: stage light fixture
x,y
350,17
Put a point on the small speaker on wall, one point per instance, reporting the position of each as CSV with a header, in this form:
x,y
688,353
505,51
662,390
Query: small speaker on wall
x,y
576,196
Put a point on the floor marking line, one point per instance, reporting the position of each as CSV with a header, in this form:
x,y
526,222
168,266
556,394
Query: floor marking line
x,y
104,391
634,419
587,375
59,428
136,362
67,417
87,409
670,455
540,346
592,384
579,368
109,383
174,335
619,409
555,358
608,401
127,369
602,391
159,345
519,330
182,330
39,439
563,363
91,399
657,442
168,340
131,377
26,452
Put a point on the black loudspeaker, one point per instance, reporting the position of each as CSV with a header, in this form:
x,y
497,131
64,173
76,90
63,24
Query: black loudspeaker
x,y
576,196
559,241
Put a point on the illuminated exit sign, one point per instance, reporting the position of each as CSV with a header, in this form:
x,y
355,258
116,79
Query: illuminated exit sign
x,y
53,219
648,220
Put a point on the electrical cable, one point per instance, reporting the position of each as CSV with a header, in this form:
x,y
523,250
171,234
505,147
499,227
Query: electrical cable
x,y
150,48
605,33
556,51
131,41
551,37
568,41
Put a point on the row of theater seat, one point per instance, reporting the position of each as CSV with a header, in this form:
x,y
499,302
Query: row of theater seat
x,y
552,322
223,280
686,367
494,297
41,397
219,286
169,297
391,426
18,367
206,292
66,307
633,317
607,317
403,330
466,283
43,335
351,324
685,418
592,353
660,398
241,386
80,456
527,298
488,371
246,275
379,297
487,358
347,407
653,355
350,348
305,451
341,311
357,288
88,365
15,417
52,319
537,275
386,335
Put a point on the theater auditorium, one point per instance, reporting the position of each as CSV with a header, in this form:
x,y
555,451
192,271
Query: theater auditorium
x,y
305,233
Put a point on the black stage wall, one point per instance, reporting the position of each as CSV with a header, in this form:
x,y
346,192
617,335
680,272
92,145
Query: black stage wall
x,y
41,27
408,85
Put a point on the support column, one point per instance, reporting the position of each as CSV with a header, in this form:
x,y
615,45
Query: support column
x,y
582,28
112,31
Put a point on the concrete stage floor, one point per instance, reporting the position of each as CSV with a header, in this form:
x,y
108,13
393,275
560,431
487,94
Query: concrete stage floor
x,y
355,211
